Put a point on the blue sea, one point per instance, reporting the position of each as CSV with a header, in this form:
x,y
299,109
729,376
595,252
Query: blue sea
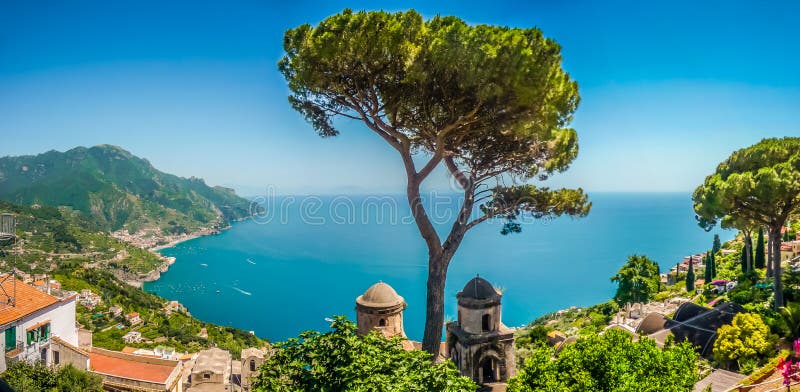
x,y
308,258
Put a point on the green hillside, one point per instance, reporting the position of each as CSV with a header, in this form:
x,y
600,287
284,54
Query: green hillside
x,y
68,247
50,235
117,190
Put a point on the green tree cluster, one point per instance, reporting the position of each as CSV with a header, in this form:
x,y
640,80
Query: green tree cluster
x,y
340,360
759,184
637,281
485,102
745,341
609,362
24,377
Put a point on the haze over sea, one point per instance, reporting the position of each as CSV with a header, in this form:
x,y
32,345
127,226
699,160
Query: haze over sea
x,y
287,271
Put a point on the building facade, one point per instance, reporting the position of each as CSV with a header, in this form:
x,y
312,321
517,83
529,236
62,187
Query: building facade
x,y
211,369
252,359
479,344
29,319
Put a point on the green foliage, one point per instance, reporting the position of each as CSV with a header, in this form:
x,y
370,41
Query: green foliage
x,y
113,188
717,244
487,102
690,277
766,369
585,320
637,281
759,184
747,338
340,360
609,362
23,377
536,334
790,315
760,261
180,328
744,257
67,234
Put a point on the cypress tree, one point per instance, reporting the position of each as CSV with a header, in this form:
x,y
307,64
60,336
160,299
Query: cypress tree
x,y
690,277
759,257
744,260
717,244
713,263
707,273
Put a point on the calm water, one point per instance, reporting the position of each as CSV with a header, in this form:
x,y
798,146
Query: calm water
x,y
312,260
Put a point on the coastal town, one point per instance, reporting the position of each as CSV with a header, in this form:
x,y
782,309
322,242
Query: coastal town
x,y
399,196
42,325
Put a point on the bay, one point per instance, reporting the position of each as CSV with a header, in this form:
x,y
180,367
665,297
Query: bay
x,y
310,257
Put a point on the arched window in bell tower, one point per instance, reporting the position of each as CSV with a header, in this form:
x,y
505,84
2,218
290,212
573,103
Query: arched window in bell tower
x,y
486,322
382,323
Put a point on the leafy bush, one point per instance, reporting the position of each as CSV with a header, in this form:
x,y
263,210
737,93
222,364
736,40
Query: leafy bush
x,y
340,360
609,362
23,377
746,340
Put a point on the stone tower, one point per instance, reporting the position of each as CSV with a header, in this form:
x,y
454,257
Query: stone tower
x,y
381,309
478,343
252,358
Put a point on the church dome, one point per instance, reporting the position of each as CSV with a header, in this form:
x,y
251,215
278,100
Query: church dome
x,y
380,295
478,289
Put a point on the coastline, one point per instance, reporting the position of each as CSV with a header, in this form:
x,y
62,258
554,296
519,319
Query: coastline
x,y
155,274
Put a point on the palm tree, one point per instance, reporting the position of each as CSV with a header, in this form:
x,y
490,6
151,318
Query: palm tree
x,y
790,314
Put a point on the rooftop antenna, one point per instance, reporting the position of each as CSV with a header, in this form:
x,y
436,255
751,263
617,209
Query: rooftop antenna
x,y
8,232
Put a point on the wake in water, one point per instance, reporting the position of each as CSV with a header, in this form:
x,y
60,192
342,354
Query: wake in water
x,y
250,261
242,291
203,265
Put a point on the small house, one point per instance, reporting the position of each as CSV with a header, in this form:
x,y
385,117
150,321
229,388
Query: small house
x,y
133,318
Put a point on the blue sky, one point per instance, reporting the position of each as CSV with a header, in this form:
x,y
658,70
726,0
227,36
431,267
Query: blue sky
x,y
668,89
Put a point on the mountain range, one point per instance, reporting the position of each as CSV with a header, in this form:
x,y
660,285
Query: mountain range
x,y
118,190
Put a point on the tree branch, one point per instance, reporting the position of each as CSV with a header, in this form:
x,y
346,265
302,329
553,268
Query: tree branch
x,y
462,179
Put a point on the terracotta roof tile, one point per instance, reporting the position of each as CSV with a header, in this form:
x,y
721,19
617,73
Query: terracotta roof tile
x,y
129,369
29,300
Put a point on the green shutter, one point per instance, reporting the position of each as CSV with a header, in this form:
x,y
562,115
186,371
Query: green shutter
x,y
11,338
29,337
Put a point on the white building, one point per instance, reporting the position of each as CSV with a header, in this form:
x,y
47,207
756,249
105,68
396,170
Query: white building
x,y
30,319
132,337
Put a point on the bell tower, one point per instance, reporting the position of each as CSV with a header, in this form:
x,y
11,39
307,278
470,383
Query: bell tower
x,y
480,345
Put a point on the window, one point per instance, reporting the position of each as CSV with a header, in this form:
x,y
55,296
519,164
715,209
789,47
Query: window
x,y
382,323
486,322
44,332
31,336
252,365
55,357
206,375
11,338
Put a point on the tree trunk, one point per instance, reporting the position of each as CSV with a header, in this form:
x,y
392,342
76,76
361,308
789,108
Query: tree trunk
x,y
775,252
434,313
769,253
